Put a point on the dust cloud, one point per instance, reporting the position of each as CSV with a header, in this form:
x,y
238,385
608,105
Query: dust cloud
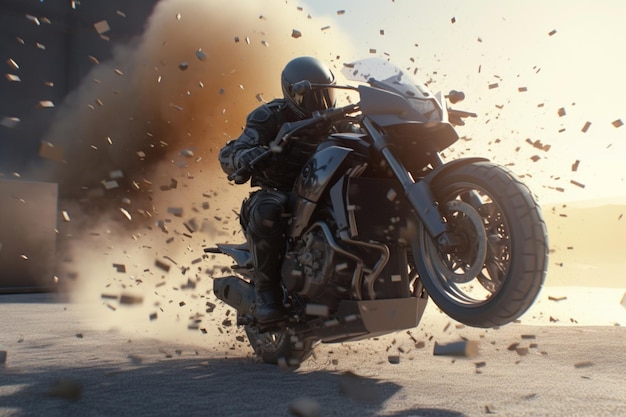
x,y
140,136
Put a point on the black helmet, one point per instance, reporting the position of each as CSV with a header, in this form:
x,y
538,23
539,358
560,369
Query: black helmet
x,y
316,99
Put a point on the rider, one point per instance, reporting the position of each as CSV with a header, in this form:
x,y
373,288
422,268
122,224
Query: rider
x,y
264,214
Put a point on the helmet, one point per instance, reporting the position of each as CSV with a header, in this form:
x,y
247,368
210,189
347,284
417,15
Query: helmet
x,y
316,99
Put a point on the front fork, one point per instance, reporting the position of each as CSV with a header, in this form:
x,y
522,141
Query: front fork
x,y
419,193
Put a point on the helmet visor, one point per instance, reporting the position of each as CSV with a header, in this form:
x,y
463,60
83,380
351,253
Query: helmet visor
x,y
316,99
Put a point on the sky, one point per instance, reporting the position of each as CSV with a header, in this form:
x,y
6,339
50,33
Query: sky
x,y
536,73
557,66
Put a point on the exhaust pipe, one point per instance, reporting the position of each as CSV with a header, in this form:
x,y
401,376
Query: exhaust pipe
x,y
235,292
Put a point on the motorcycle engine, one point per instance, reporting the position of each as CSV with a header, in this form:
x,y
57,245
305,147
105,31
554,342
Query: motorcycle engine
x,y
316,271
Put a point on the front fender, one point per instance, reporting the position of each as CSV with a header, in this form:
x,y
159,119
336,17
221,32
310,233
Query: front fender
x,y
450,165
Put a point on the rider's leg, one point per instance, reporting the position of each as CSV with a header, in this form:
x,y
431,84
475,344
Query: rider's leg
x,y
265,228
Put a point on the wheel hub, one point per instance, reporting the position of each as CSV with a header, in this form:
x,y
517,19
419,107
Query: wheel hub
x,y
464,261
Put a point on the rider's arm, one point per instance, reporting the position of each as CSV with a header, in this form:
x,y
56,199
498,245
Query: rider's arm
x,y
231,153
259,131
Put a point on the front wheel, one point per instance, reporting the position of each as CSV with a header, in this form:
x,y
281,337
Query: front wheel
x,y
494,270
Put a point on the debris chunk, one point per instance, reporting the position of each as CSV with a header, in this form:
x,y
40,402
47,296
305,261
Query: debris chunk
x,y
393,359
176,211
583,364
358,388
586,127
162,265
67,389
3,357
296,34
13,64
108,296
200,54
102,27
305,407
128,299
578,184
110,185
33,19
467,348
45,104
561,112
126,213
522,351
9,122
617,123
552,32
187,153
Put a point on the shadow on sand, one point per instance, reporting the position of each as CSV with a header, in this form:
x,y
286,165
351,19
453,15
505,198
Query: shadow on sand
x,y
195,387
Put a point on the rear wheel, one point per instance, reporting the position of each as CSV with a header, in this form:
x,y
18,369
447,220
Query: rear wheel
x,y
495,269
280,346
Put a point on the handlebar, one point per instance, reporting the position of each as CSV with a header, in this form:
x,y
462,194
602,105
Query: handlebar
x,y
250,167
289,129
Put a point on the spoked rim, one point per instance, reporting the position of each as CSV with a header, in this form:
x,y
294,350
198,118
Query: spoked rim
x,y
269,341
475,268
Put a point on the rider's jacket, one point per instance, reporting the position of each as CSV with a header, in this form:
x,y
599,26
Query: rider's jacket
x,y
262,126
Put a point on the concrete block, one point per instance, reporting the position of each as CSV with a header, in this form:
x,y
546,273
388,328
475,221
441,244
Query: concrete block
x,y
28,222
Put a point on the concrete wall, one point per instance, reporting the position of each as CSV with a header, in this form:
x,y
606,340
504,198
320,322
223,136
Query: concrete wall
x,y
69,39
50,41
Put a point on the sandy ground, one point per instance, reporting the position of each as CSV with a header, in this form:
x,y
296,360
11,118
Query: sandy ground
x,y
77,364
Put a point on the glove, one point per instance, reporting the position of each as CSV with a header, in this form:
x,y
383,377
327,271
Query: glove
x,y
244,159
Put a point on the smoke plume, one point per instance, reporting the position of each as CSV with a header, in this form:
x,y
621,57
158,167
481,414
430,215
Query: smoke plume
x,y
140,177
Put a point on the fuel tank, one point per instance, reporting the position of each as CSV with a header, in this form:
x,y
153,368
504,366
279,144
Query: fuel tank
x,y
332,160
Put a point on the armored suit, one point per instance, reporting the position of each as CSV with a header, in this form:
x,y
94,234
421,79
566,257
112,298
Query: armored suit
x,y
264,214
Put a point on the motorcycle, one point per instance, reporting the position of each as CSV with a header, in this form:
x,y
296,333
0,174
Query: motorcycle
x,y
379,223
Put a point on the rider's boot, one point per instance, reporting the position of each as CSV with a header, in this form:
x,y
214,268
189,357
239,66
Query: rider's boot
x,y
269,305
268,292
